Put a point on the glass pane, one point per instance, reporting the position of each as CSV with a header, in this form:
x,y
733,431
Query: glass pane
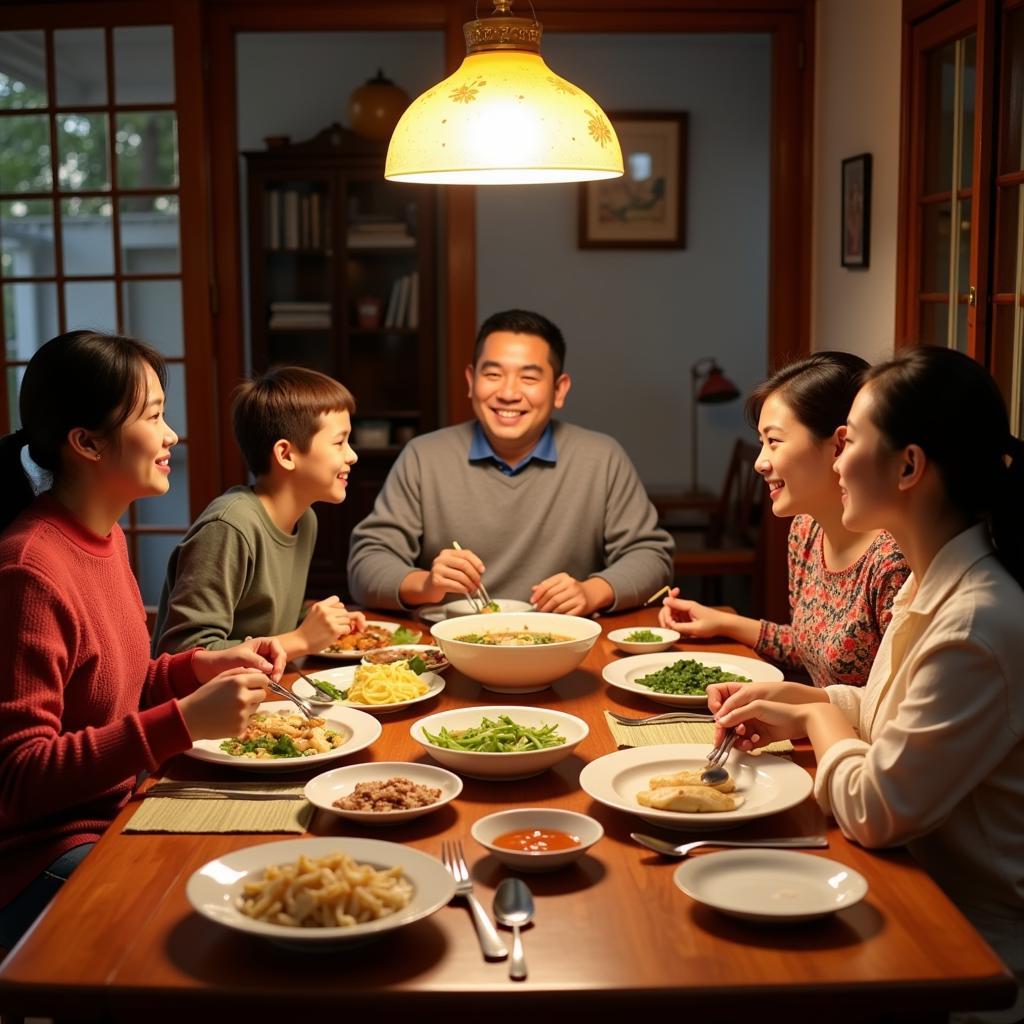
x,y
967,121
144,64
14,376
152,311
935,252
154,550
1008,224
90,304
87,234
934,323
938,137
26,237
25,144
964,254
1011,102
1001,360
22,70
82,152
149,235
30,318
960,340
170,509
81,60
147,149
175,399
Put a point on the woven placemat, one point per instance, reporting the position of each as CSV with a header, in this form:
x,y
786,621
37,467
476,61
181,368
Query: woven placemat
x,y
227,807
676,732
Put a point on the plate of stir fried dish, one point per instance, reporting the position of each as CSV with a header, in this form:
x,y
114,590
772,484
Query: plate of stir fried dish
x,y
280,738
376,636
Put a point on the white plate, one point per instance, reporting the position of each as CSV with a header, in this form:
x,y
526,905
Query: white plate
x,y
431,613
342,679
667,638
453,609
770,885
625,672
213,889
357,655
409,647
767,784
363,729
340,782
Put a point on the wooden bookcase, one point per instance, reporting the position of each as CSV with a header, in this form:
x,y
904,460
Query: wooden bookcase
x,y
342,270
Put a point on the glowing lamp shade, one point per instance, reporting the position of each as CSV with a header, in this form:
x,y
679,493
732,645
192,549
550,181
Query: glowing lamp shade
x,y
504,118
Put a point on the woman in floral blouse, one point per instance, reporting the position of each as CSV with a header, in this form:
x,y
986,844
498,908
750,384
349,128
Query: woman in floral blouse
x,y
841,584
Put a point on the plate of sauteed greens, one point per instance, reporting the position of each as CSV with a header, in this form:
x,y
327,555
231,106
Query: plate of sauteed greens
x,y
681,679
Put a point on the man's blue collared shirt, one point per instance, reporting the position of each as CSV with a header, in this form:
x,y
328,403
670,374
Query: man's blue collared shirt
x,y
544,451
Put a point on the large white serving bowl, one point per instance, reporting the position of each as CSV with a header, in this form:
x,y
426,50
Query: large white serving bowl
x,y
499,767
453,609
215,887
517,669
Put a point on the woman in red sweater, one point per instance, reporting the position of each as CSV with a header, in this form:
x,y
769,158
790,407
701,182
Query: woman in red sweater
x,y
841,584
83,709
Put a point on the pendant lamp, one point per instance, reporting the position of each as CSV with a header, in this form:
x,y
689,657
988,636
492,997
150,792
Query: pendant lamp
x,y
504,118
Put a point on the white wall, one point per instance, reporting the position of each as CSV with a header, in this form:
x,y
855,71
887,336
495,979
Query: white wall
x,y
857,110
635,320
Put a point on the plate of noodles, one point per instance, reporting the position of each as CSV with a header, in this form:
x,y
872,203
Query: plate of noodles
x,y
276,891
378,689
280,738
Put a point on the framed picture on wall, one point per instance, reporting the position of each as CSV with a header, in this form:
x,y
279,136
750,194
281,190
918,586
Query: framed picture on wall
x,y
855,230
646,207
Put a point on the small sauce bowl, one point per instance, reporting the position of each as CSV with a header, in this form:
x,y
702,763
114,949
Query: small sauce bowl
x,y
586,829
667,638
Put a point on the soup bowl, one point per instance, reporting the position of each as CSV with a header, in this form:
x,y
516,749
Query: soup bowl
x,y
519,669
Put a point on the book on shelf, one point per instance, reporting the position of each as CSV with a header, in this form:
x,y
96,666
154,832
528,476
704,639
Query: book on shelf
x,y
403,304
293,314
294,219
296,306
389,316
412,319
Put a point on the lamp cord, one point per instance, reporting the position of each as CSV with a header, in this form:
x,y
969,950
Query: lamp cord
x,y
476,10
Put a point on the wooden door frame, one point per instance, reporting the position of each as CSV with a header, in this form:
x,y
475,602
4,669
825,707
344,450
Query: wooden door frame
x,y
790,23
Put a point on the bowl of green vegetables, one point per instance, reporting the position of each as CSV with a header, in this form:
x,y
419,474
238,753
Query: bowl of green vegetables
x,y
681,679
648,640
497,742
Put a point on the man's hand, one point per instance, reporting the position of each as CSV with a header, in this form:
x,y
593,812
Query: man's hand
x,y
568,596
261,654
326,621
456,572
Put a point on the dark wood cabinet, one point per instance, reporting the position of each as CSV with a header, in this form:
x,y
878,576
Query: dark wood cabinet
x,y
342,279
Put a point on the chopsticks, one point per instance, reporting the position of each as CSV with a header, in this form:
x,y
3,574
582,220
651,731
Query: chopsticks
x,y
654,597
482,596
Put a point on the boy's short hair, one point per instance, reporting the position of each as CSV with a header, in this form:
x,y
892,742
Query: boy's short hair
x,y
524,321
285,402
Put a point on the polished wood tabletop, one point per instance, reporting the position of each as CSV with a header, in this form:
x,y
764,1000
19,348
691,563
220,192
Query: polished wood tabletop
x,y
611,933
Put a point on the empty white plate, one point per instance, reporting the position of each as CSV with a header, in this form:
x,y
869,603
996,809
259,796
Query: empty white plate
x,y
770,885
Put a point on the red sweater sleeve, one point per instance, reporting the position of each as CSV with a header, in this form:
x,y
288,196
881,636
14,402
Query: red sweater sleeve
x,y
71,730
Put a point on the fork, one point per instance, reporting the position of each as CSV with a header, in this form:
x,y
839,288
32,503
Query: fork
x,y
455,861
303,705
667,717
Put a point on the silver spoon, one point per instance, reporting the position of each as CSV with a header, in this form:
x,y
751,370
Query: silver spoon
x,y
513,907
715,773
670,850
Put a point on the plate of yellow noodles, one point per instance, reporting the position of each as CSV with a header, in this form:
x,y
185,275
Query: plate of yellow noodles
x,y
377,689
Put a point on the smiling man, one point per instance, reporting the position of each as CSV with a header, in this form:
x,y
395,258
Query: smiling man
x,y
545,511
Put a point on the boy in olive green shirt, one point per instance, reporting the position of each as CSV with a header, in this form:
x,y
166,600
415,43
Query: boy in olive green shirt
x,y
241,569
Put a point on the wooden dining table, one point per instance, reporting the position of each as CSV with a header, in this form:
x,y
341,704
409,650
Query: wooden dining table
x,y
612,934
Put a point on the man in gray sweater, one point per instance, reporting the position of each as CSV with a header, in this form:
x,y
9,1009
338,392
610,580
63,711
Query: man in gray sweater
x,y
554,514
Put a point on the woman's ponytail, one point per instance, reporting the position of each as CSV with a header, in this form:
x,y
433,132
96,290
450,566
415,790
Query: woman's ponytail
x,y
16,491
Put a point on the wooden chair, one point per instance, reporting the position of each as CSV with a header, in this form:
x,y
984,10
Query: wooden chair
x,y
728,544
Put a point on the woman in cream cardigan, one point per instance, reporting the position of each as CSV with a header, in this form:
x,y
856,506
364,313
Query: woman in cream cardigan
x,y
930,753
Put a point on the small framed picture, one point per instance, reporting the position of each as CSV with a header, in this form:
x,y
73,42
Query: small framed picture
x,y
646,207
855,230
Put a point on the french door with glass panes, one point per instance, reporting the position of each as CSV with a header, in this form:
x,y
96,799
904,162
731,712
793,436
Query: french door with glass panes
x,y
961,262
102,225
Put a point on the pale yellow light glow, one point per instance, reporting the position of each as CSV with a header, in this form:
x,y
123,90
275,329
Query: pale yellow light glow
x,y
504,118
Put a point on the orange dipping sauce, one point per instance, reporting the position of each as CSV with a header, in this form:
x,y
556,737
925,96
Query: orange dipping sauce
x,y
536,840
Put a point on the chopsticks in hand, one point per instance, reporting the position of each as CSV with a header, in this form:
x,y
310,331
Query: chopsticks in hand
x,y
481,597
